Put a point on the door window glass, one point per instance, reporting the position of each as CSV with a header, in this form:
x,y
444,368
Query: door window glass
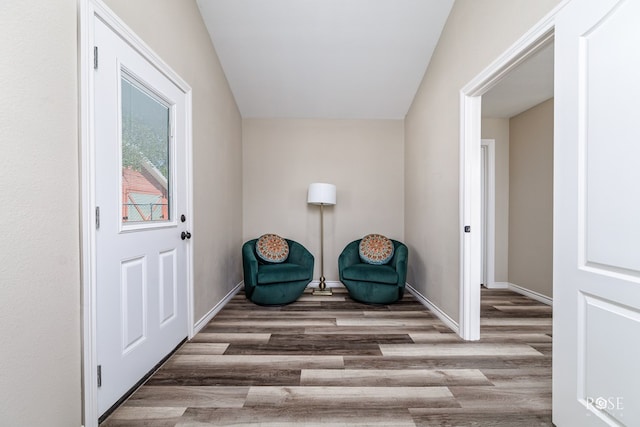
x,y
145,155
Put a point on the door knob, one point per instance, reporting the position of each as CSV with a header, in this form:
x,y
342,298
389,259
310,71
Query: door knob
x,y
185,235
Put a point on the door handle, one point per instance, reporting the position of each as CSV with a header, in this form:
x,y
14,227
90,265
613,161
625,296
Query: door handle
x,y
185,235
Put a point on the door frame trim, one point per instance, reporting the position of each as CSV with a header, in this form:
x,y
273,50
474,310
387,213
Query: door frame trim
x,y
490,195
88,12
531,42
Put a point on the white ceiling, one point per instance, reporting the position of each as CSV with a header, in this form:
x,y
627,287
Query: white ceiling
x,y
346,58
324,58
526,86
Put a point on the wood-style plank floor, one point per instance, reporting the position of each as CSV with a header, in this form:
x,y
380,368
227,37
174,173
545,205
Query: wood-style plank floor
x,y
335,362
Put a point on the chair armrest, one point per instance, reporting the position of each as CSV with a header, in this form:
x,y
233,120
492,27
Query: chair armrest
x,y
399,262
349,256
250,263
298,254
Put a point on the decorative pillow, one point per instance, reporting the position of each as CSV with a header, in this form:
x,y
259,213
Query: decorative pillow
x,y
272,248
375,249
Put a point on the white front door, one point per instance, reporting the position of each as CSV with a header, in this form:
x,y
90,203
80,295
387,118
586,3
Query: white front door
x,y
596,304
141,193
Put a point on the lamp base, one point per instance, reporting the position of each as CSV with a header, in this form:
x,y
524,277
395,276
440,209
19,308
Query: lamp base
x,y
322,289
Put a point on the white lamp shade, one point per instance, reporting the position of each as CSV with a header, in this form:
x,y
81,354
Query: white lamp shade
x,y
321,194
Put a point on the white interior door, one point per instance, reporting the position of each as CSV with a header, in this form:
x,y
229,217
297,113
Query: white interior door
x,y
596,327
141,193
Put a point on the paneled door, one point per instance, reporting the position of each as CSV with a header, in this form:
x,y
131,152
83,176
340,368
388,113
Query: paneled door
x,y
596,296
141,201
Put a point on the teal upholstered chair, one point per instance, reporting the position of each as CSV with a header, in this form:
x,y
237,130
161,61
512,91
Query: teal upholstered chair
x,y
373,284
276,284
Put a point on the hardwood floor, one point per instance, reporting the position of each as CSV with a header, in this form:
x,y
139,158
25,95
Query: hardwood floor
x,y
332,361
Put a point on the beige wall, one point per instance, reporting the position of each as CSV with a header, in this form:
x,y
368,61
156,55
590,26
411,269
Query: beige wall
x,y
185,45
475,34
363,158
531,199
498,130
40,318
39,273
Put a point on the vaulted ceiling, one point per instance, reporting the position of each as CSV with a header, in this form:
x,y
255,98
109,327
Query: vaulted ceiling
x,y
324,58
341,58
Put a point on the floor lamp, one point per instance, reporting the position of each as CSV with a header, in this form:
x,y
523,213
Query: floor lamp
x,y
323,195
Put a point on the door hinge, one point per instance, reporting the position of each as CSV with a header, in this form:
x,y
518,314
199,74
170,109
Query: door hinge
x,y
95,57
99,375
97,217
467,229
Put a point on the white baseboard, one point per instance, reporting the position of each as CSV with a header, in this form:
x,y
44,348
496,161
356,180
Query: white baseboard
x,y
329,283
216,309
444,317
498,285
531,294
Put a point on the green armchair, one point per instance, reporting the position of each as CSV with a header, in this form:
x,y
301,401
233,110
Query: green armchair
x,y
373,284
276,284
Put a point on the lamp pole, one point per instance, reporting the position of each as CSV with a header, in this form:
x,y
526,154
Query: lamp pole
x,y
322,194
323,284
322,287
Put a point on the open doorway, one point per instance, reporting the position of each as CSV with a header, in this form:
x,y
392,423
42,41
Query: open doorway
x,y
517,186
517,66
517,177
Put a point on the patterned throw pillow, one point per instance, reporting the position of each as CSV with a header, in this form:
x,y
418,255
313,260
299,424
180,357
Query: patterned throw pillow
x,y
272,248
375,249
